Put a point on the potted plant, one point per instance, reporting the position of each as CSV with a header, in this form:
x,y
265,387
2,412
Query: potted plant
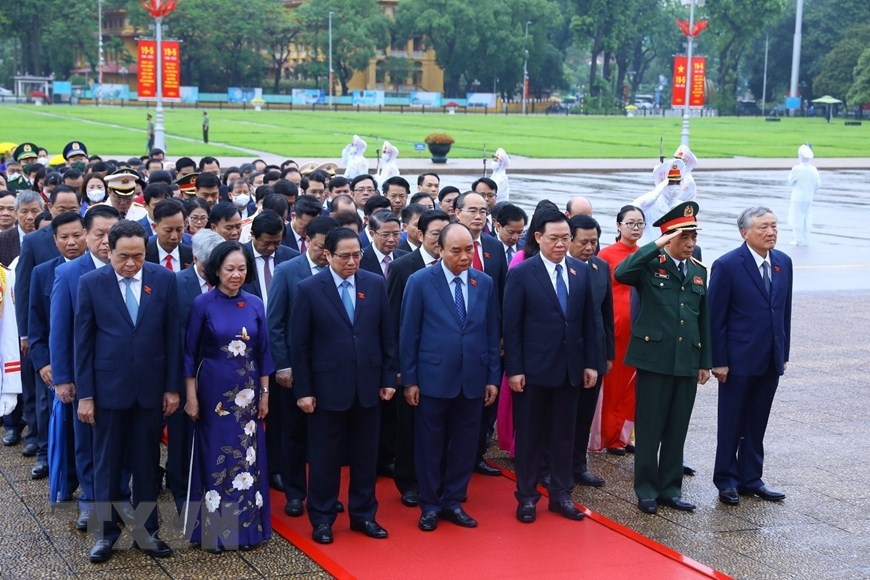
x,y
258,103
439,146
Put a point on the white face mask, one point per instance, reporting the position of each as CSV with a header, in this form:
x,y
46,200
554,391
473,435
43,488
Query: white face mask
x,y
241,201
96,195
43,161
13,176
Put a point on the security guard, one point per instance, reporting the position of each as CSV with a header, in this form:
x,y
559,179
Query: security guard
x,y
670,348
22,156
76,155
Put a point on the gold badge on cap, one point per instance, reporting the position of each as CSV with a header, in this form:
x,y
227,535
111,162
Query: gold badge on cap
x,y
27,148
689,211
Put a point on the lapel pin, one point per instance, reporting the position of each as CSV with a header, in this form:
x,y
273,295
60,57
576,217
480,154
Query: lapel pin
x,y
240,304
573,271
472,281
486,255
361,295
777,269
662,259
147,289
594,266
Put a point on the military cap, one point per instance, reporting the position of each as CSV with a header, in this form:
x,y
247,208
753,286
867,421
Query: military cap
x,y
307,168
187,184
74,148
329,167
676,168
25,151
123,181
681,217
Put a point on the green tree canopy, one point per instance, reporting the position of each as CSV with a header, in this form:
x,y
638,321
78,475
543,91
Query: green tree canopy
x,y
837,73
859,93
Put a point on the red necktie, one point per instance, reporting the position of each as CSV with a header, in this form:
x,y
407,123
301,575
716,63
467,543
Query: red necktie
x,y
169,263
302,245
475,262
267,272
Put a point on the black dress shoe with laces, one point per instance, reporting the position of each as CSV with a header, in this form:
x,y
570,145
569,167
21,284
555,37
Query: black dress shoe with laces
x,y
153,546
294,508
458,517
729,496
765,493
485,468
372,529
588,479
100,552
411,498
647,506
527,512
322,534
677,503
566,509
428,521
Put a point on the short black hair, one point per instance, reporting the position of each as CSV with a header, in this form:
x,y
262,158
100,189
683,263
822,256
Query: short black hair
x,y
308,205
549,216
65,218
216,260
229,171
486,181
338,234
433,215
397,180
584,222
221,211
42,216
160,176
418,196
285,188
363,177
183,162
409,211
322,224
271,176
168,207
267,222
262,191
374,203
126,229
422,176
158,191
318,175
446,190
381,217
333,204
443,235
347,217
338,181
277,203
71,173
191,203
62,189
207,180
208,160
511,213
99,211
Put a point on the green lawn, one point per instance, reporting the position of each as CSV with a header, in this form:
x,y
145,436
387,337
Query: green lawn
x,y
121,131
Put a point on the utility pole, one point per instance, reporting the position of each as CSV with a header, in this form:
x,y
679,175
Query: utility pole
x,y
526,68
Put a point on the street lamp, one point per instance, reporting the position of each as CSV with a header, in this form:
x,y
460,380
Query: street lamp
x,y
796,52
526,68
330,60
158,9
684,136
100,56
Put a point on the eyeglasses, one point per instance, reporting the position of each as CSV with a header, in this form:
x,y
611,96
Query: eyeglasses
x,y
198,218
388,235
490,195
365,190
557,239
634,225
347,256
474,211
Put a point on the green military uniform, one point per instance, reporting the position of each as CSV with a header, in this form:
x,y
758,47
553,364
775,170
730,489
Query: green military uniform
x,y
24,154
670,342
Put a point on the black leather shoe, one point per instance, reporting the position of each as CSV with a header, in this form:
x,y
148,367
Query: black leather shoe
x,y
29,450
83,520
428,521
629,448
247,547
566,509
40,470
526,512
339,507
647,506
620,451
729,496
101,552
294,508
322,534
214,550
484,468
677,503
764,492
458,517
372,529
277,482
411,498
590,479
11,437
153,546
688,469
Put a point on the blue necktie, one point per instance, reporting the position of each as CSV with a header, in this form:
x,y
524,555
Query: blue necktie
x,y
561,290
765,274
346,300
130,299
459,299
510,255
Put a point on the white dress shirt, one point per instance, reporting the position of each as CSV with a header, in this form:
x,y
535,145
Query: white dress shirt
x,y
551,271
452,285
135,287
176,259
427,257
351,289
260,263
759,260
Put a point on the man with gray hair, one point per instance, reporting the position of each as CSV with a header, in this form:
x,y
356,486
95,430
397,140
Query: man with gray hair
x,y
750,322
28,204
191,283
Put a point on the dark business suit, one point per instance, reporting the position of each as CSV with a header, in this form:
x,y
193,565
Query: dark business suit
x,y
602,303
10,245
294,427
751,335
551,350
282,254
146,222
289,240
405,246
404,474
37,248
343,364
451,362
185,255
126,366
369,261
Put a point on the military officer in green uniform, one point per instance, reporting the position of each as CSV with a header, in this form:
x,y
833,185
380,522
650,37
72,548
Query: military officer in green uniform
x,y
22,156
670,348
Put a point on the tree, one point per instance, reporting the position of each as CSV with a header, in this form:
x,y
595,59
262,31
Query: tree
x,y
838,69
359,29
859,93
398,69
281,32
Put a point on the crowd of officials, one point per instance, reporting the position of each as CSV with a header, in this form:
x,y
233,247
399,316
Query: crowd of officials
x,y
273,323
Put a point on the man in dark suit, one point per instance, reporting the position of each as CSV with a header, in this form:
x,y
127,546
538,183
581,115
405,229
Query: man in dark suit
x,y
36,248
344,363
306,209
488,190
450,369
510,223
61,345
28,205
294,428
127,375
489,257
191,283
551,353
410,218
374,204
585,233
430,225
153,194
750,324
167,249
69,236
670,348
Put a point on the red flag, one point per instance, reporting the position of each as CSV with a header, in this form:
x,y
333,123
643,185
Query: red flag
x,y
684,27
700,26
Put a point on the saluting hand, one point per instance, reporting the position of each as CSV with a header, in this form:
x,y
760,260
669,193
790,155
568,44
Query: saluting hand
x,y
666,238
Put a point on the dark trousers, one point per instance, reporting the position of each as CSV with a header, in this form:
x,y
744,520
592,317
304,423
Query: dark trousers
x,y
24,413
487,420
118,435
205,134
180,437
82,435
294,447
588,399
327,432
545,416
744,408
44,401
387,438
664,407
275,426
406,474
444,459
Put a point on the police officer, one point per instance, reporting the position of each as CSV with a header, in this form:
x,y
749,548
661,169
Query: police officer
x,y
670,348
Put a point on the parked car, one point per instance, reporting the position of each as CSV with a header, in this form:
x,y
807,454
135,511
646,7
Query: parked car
x,y
646,102
748,109
4,92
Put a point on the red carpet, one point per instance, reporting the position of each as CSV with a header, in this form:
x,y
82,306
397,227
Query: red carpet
x,y
500,547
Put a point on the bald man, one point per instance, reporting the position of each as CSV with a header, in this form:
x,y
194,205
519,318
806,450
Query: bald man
x,y
578,205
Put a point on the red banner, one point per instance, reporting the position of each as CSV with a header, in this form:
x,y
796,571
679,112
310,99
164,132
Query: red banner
x,y
171,61
699,81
